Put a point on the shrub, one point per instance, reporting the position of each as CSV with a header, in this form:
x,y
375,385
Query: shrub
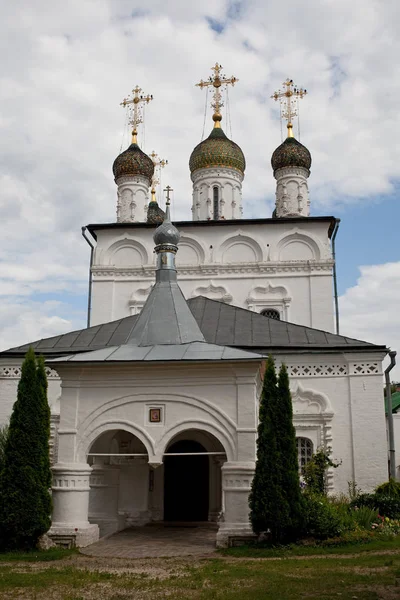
x,y
390,489
314,472
385,505
364,516
321,516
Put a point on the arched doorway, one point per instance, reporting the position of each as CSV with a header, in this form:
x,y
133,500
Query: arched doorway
x,y
186,483
119,482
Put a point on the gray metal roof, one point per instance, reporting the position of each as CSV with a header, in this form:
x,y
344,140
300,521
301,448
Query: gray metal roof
x,y
165,318
219,323
193,351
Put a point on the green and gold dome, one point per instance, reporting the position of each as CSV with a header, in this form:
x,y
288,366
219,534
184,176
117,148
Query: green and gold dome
x,y
291,154
217,151
133,161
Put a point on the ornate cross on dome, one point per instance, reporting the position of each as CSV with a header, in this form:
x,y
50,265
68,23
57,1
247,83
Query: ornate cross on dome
x,y
168,189
159,163
288,98
217,81
135,113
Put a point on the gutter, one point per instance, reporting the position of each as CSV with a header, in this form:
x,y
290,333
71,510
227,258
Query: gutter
x,y
392,449
89,308
335,291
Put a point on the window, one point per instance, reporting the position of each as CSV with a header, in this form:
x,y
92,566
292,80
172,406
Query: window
x,y
215,203
304,451
272,313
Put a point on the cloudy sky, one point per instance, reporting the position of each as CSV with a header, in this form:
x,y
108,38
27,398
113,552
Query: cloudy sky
x,y
65,68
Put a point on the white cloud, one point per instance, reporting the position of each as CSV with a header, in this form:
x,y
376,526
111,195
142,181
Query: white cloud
x,y
23,321
369,310
67,65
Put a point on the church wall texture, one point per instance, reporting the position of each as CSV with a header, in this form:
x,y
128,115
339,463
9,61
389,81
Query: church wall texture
x,y
287,266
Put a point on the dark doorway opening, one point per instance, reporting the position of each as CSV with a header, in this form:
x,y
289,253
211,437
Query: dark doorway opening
x,y
186,483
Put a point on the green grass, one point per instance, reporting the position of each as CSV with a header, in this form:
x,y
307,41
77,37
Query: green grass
x,y
373,545
366,576
36,555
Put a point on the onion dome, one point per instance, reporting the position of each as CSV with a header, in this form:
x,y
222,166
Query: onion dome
x,y
291,154
155,214
166,233
217,151
133,162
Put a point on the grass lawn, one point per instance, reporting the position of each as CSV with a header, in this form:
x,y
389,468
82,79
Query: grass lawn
x,y
372,573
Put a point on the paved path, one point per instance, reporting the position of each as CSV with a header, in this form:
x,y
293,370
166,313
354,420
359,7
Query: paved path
x,y
156,541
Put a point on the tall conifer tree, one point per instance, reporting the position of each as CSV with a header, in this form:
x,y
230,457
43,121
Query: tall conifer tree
x,y
286,435
275,502
267,505
25,503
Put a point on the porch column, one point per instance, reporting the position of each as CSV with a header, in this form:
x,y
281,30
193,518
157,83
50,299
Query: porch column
x,y
70,525
236,486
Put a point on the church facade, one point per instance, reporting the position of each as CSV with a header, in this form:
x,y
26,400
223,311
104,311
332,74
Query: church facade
x,y
155,403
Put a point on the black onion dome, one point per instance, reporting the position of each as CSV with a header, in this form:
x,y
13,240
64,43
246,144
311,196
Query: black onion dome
x,y
133,162
217,151
291,154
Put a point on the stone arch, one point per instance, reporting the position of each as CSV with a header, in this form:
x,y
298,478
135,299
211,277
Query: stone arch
x,y
297,244
190,251
92,433
213,417
197,425
240,248
126,252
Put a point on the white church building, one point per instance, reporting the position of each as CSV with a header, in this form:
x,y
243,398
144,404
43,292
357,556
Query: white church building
x,y
155,404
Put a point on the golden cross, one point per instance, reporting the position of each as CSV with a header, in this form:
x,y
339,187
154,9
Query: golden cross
x,y
159,163
288,98
135,112
168,189
217,81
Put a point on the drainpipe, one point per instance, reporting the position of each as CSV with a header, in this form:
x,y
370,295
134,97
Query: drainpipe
x,y
89,308
392,450
335,292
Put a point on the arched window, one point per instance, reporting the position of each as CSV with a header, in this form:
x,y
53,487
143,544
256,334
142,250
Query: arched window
x,y
215,203
272,313
304,451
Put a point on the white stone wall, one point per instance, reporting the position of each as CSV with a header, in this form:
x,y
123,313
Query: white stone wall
x,y
10,373
337,403
229,184
132,202
292,198
256,266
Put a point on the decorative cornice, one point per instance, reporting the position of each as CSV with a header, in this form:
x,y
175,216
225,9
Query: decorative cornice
x,y
132,179
216,172
286,171
14,372
213,270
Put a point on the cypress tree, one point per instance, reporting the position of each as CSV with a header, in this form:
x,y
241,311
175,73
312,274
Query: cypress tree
x,y
287,448
268,507
25,502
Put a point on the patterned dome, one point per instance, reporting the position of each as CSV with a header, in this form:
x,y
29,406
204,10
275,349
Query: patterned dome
x,y
166,233
217,151
133,162
291,154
